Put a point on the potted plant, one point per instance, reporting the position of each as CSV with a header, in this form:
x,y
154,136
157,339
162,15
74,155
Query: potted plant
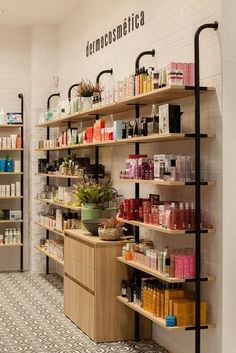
x,y
86,90
111,229
92,195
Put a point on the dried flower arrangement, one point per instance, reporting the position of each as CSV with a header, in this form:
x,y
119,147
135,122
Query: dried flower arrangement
x,y
88,89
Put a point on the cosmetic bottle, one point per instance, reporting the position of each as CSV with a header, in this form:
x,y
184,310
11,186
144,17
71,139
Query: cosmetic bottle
x,y
186,216
153,125
173,169
181,218
137,82
173,217
192,216
18,141
136,128
124,288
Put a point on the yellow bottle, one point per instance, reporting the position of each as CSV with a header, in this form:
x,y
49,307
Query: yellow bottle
x,y
154,302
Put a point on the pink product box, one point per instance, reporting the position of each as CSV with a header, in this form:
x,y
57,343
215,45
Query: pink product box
x,y
185,266
179,266
191,70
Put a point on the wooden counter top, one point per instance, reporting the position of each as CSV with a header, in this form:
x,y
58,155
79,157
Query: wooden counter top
x,y
92,239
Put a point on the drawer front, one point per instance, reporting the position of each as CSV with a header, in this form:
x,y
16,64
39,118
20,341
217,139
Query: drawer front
x,y
79,262
79,306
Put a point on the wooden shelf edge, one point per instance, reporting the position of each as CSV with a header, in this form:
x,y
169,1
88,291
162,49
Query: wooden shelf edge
x,y
10,245
11,125
163,230
50,229
10,197
11,221
59,204
166,183
58,176
164,94
159,321
131,263
51,256
142,139
11,173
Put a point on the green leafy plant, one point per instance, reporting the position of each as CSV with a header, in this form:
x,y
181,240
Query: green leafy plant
x,y
90,191
88,89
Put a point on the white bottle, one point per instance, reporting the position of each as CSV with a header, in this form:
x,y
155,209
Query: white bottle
x,y
3,118
18,236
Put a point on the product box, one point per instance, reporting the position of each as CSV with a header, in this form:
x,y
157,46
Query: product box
x,y
203,313
15,215
117,129
182,312
18,188
17,166
8,190
169,119
13,189
3,190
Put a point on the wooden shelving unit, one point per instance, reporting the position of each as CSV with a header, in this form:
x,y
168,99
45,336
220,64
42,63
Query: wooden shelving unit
x,y
157,320
157,274
163,230
53,230
19,151
155,138
157,96
51,256
59,204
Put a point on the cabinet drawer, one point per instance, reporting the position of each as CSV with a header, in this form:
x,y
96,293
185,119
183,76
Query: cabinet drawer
x,y
79,262
79,251
79,306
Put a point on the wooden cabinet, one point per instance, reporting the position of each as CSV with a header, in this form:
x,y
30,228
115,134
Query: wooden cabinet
x,y
92,283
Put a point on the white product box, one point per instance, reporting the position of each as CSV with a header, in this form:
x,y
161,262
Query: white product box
x,y
3,187
8,190
15,215
18,191
13,190
17,166
58,219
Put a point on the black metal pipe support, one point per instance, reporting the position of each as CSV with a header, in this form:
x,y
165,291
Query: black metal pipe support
x,y
47,179
102,73
97,117
198,185
70,90
148,52
20,96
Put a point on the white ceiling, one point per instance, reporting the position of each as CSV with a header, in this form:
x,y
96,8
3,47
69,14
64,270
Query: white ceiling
x,y
25,13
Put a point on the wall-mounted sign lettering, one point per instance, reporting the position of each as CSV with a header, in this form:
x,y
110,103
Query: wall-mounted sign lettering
x,y
130,24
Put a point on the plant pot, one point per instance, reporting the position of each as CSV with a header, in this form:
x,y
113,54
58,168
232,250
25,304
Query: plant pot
x,y
110,233
90,211
86,103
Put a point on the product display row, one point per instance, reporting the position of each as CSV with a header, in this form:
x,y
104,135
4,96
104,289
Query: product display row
x,y
71,166
11,236
11,142
6,214
10,118
59,220
54,247
171,215
10,190
63,194
178,263
175,305
8,165
165,167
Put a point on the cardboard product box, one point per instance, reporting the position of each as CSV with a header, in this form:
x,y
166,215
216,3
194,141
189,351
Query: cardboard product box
x,y
169,119
171,303
182,312
203,313
15,215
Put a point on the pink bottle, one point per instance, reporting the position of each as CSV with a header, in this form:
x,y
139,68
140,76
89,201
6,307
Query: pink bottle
x,y
186,216
192,216
181,218
173,217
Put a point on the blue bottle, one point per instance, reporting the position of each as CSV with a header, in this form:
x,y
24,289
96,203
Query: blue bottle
x,y
2,165
9,165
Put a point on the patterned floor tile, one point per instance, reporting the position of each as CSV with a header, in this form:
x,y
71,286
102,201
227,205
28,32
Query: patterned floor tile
x,y
32,320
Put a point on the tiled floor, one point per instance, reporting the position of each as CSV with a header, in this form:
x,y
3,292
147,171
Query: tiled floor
x,y
32,320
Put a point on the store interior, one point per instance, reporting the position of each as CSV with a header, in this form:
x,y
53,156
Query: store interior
x,y
117,180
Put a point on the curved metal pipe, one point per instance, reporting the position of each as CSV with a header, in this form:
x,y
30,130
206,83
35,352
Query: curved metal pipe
x,y
148,52
50,97
70,89
103,72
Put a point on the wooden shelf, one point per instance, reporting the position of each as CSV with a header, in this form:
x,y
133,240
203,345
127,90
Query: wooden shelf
x,y
167,183
10,197
59,204
157,274
163,230
157,96
59,176
53,230
10,126
51,256
10,149
11,173
155,138
157,320
10,245
10,221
